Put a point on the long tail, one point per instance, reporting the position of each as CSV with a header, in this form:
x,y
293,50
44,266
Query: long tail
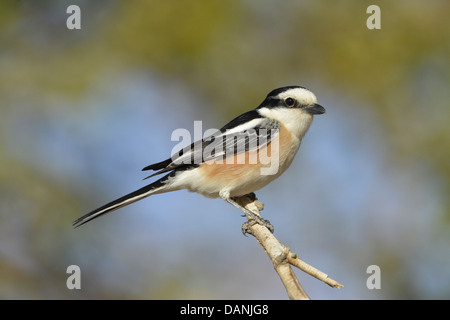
x,y
155,187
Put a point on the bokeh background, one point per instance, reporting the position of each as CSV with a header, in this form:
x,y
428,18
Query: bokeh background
x,y
82,111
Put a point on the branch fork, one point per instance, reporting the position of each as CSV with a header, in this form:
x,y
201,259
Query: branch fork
x,y
280,255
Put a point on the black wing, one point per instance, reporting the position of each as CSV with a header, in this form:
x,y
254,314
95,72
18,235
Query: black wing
x,y
248,131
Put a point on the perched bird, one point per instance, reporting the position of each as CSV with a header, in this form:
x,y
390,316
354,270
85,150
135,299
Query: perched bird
x,y
243,156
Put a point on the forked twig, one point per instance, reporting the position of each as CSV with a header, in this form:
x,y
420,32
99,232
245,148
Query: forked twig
x,y
280,255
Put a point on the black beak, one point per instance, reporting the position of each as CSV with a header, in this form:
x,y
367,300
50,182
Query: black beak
x,y
315,109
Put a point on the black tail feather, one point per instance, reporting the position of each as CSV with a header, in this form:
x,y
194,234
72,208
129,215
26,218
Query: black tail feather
x,y
119,203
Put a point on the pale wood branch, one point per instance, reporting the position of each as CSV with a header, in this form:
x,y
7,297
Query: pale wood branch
x,y
280,255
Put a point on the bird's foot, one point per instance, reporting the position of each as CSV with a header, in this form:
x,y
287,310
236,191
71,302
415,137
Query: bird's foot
x,y
255,219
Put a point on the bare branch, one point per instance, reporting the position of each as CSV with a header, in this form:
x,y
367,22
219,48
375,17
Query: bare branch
x,y
280,255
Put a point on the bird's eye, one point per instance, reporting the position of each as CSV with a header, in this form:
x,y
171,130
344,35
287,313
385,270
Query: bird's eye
x,y
290,102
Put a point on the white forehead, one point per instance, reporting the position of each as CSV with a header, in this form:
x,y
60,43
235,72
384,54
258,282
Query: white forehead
x,y
304,96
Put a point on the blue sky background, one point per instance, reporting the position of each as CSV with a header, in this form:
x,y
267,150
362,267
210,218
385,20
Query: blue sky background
x,y
320,207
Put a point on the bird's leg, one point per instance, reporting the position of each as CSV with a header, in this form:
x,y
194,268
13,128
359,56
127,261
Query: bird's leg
x,y
251,216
